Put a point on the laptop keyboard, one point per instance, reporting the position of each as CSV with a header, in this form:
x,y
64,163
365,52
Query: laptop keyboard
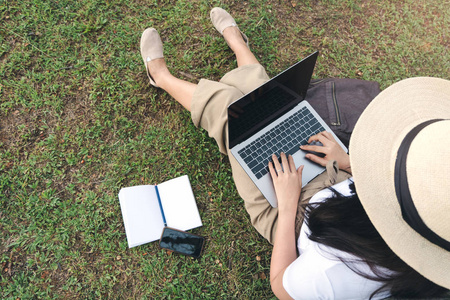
x,y
285,137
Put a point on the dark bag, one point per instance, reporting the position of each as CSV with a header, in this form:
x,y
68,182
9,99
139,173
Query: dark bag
x,y
340,102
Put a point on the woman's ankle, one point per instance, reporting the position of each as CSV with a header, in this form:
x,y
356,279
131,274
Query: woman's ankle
x,y
233,37
158,70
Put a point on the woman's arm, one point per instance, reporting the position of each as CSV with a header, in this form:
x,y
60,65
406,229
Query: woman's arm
x,y
288,183
330,148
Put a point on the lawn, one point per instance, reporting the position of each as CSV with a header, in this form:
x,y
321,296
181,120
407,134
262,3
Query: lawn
x,y
79,121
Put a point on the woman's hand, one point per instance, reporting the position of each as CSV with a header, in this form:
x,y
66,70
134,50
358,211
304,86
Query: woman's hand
x,y
287,182
330,148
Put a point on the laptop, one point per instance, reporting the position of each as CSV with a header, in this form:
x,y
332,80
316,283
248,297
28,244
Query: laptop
x,y
275,118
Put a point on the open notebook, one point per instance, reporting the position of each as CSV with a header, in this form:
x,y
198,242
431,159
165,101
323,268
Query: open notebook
x,y
143,214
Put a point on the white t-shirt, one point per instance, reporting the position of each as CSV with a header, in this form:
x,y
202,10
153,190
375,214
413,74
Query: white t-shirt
x,y
318,273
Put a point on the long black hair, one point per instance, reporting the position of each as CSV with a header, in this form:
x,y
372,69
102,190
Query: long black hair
x,y
341,223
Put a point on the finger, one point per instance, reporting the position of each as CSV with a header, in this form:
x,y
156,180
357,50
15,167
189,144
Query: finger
x,y
313,148
319,160
328,135
272,171
284,162
315,137
291,164
324,138
300,172
276,163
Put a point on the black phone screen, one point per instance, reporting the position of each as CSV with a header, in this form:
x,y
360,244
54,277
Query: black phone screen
x,y
181,242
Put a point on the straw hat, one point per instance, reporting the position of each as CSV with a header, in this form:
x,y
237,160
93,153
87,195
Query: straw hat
x,y
413,115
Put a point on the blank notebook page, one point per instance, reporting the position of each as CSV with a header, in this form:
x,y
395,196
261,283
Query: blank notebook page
x,y
141,214
179,204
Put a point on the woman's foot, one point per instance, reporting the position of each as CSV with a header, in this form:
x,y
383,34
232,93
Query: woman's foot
x,y
152,55
226,25
159,75
236,39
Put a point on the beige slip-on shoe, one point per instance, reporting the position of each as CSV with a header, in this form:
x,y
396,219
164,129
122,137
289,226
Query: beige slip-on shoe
x,y
221,19
151,48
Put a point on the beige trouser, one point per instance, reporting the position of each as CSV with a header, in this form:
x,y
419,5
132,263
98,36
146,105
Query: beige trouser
x,y
209,110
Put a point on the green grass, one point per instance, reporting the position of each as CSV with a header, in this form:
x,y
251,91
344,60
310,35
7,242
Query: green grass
x,y
78,121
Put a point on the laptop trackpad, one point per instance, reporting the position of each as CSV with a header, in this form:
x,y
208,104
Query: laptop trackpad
x,y
310,171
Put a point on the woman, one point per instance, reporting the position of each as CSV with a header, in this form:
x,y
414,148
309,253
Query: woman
x,y
346,239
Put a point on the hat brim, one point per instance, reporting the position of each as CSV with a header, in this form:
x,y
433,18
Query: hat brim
x,y
373,150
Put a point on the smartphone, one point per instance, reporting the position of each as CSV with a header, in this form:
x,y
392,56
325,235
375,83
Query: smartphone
x,y
181,242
